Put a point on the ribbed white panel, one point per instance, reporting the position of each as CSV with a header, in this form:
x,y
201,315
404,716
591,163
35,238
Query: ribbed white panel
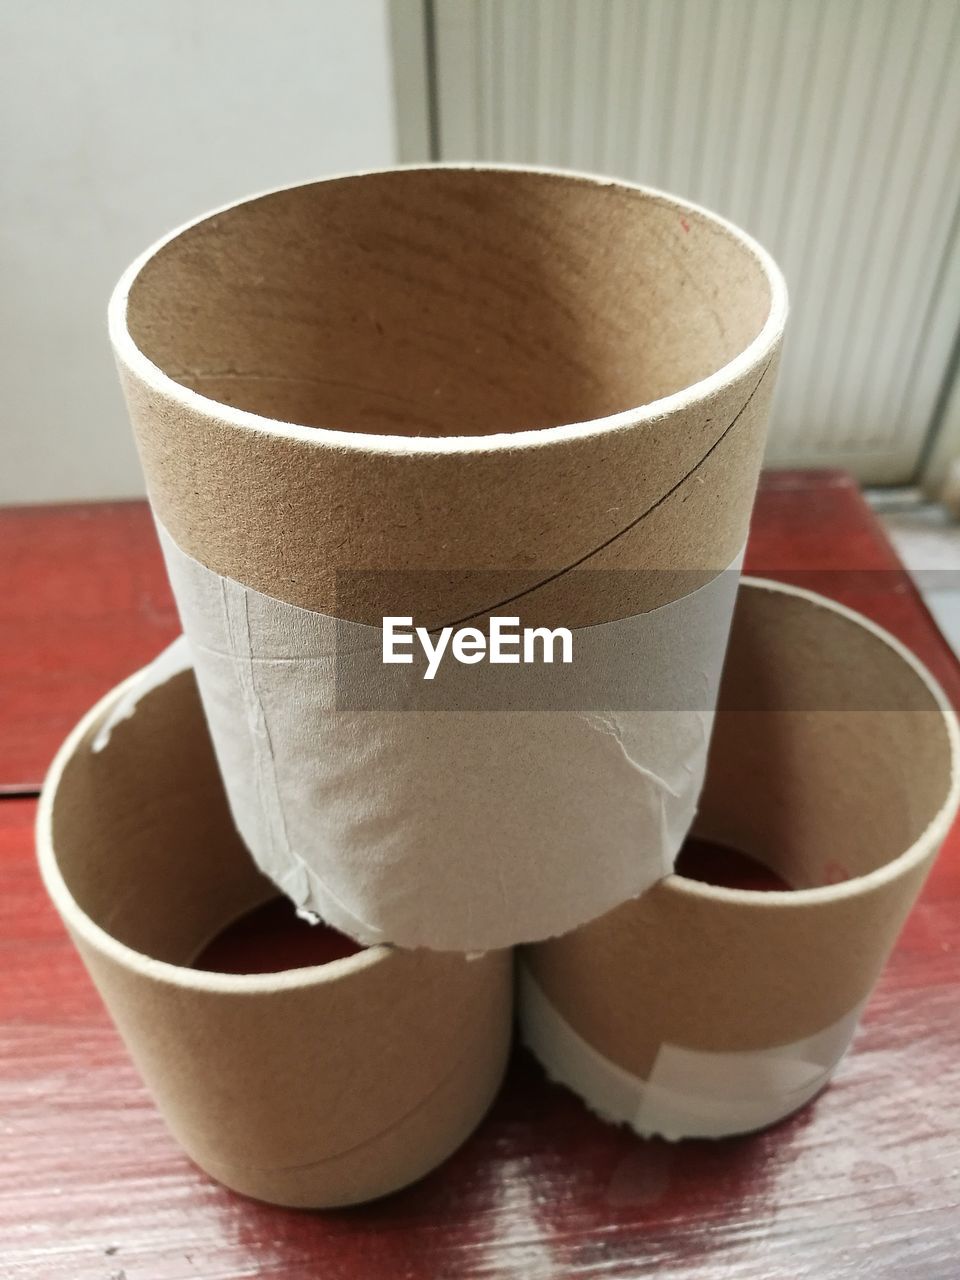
x,y
828,128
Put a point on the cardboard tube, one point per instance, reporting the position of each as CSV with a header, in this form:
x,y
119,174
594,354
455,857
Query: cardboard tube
x,y
698,1010
441,393
367,395
313,1087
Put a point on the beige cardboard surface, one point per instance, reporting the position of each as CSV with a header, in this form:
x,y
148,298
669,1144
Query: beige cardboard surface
x,y
834,760
513,770
314,1087
366,395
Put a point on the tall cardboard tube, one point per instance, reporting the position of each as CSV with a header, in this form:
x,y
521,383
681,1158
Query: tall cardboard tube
x,y
443,393
313,1087
701,1010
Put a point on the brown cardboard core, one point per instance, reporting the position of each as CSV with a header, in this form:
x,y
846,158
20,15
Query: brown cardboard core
x,y
437,302
323,1087
177,873
829,755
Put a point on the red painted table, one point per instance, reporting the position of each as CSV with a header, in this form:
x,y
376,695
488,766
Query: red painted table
x,y
865,1182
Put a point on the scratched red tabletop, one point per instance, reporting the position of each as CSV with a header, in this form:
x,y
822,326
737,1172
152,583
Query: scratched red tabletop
x,y
865,1182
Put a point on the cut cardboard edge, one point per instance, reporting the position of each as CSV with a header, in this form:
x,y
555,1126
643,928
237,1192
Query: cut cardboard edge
x,y
754,354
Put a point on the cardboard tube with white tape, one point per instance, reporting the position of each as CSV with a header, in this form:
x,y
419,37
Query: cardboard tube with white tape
x,y
701,1010
314,1087
446,394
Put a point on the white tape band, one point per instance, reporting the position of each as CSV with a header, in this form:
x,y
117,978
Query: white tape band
x,y
454,829
691,1093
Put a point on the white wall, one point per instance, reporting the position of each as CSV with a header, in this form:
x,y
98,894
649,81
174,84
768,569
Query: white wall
x,y
120,119
828,128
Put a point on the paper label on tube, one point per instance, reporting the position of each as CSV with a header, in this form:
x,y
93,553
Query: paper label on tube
x,y
690,1093
488,807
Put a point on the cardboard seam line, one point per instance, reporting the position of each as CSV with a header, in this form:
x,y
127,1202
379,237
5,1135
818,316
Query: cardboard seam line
x,y
418,1106
559,573
296,882
233,607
